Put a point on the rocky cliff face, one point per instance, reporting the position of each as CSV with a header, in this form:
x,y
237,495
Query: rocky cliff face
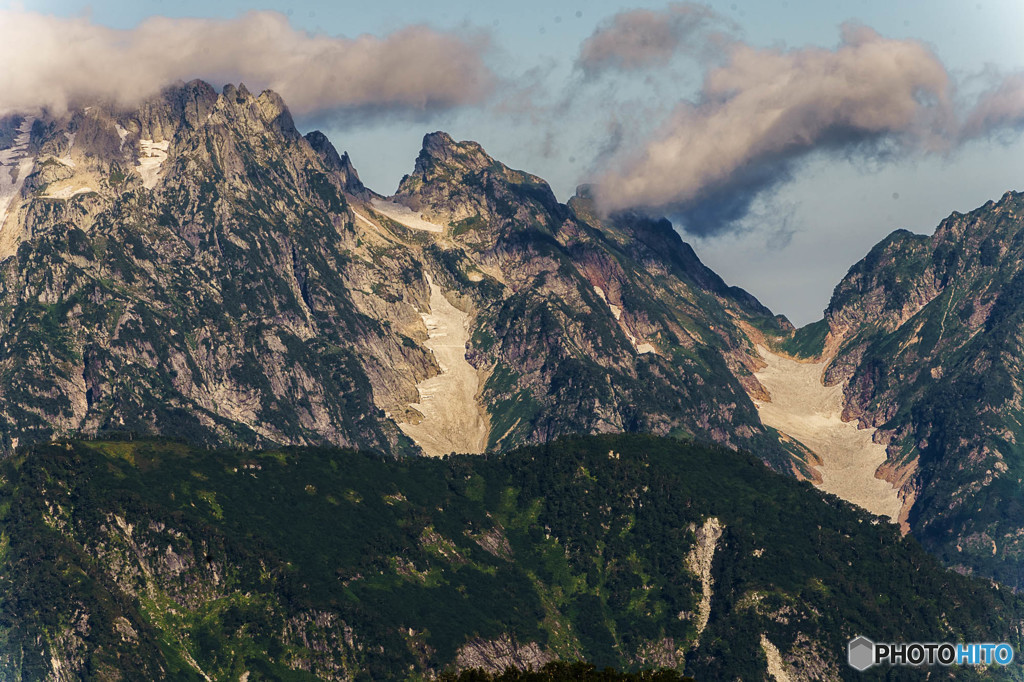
x,y
927,335
197,267
185,268
583,324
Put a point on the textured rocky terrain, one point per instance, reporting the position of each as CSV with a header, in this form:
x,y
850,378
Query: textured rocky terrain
x,y
197,267
205,290
582,324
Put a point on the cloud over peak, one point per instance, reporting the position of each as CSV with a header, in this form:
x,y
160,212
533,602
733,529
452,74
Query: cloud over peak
x,y
763,110
53,61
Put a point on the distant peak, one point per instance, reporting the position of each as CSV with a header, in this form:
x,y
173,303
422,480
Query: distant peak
x,y
439,148
438,144
238,93
272,104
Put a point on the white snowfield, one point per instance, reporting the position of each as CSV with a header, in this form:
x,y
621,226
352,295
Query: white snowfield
x,y
405,215
803,407
453,419
152,156
15,166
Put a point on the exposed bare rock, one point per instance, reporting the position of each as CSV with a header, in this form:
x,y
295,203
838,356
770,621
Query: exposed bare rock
x,y
699,561
498,654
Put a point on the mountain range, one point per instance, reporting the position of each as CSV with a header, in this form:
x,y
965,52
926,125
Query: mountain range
x,y
195,268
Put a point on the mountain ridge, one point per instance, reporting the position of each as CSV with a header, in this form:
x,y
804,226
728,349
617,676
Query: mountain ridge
x,y
923,334
213,208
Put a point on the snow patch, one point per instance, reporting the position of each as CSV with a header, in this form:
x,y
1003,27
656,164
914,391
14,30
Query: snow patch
x,y
15,165
803,407
453,420
405,215
66,192
153,154
66,159
366,220
122,133
616,310
641,347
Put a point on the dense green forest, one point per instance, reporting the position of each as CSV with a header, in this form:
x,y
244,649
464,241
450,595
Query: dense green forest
x,y
155,560
560,670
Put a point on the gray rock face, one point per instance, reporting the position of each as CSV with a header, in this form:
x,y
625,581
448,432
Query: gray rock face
x,y
341,165
500,654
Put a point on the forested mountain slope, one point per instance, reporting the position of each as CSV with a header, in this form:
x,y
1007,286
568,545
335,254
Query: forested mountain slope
x,y
152,560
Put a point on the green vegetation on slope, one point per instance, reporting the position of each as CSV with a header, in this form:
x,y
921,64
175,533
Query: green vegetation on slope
x,y
807,341
154,560
558,671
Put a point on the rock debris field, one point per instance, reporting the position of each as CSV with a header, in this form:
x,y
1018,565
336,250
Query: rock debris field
x,y
803,407
453,420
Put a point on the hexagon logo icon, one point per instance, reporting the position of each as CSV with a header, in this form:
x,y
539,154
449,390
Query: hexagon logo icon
x,y
861,653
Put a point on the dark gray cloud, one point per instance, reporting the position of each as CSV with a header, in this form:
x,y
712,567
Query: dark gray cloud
x,y
52,61
642,38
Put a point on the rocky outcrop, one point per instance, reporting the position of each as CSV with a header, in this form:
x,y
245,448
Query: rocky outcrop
x,y
341,165
497,655
700,561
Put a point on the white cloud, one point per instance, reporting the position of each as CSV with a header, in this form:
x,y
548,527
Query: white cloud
x,y
53,61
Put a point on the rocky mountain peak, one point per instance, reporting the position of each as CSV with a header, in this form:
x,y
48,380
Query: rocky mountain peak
x,y
267,109
454,181
298,304
340,164
442,153
189,104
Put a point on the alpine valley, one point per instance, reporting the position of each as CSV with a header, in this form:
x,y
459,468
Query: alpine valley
x,y
231,377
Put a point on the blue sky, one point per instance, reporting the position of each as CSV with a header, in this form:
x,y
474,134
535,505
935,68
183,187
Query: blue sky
x,y
798,237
